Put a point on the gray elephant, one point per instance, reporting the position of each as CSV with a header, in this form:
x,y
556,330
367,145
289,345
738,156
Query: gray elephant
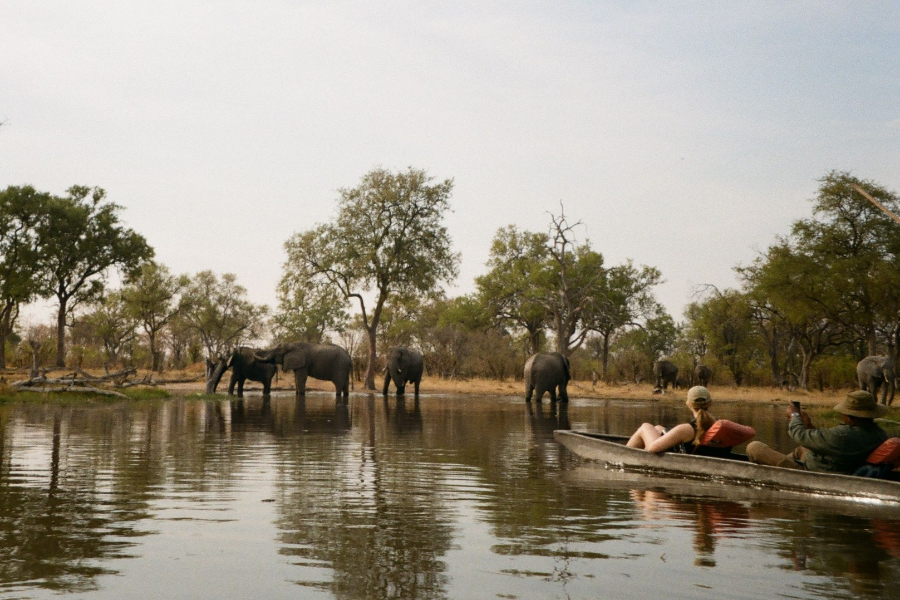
x,y
666,374
547,372
244,366
877,372
404,365
319,361
703,375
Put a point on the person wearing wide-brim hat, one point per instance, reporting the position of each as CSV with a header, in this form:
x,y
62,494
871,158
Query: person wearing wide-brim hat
x,y
841,449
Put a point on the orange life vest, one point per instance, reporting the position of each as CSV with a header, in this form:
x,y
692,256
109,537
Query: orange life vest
x,y
887,453
726,434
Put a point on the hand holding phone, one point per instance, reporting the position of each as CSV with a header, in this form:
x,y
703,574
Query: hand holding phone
x,y
796,405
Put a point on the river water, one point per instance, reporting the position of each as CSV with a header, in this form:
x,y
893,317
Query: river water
x,y
458,497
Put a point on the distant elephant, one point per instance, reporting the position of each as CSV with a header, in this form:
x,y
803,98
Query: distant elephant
x,y
703,375
877,372
666,373
319,361
403,365
243,365
547,372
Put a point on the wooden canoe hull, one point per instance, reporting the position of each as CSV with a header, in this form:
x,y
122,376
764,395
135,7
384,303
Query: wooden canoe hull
x,y
610,452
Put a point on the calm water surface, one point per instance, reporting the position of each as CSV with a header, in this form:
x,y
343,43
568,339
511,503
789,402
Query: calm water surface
x,y
456,498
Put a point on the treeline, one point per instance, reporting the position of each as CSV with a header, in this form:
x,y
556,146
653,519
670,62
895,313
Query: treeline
x,y
807,309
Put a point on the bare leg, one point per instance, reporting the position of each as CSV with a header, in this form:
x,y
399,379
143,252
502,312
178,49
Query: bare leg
x,y
645,435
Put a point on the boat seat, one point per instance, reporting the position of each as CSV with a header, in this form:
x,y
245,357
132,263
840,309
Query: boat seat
x,y
727,434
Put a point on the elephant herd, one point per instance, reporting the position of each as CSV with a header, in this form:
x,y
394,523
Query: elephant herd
x,y
666,374
326,362
545,372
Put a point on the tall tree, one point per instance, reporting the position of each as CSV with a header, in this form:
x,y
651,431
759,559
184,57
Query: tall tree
x,y
151,296
20,264
388,238
725,320
81,239
858,247
627,301
221,313
510,289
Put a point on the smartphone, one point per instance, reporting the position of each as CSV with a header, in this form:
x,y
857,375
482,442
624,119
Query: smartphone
x,y
796,405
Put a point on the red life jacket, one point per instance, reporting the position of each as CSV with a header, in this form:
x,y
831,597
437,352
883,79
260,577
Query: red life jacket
x,y
726,434
888,453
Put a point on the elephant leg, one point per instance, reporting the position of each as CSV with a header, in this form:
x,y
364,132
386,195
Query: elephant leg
x,y
240,387
563,393
401,387
300,382
539,393
267,386
416,388
387,383
552,391
529,391
231,383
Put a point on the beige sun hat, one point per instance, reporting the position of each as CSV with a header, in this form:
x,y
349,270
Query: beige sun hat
x,y
861,404
698,398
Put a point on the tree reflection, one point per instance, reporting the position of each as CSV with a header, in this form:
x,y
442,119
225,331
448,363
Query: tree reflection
x,y
56,536
374,517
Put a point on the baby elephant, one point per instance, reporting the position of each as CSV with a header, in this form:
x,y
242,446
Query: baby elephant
x,y
403,365
547,372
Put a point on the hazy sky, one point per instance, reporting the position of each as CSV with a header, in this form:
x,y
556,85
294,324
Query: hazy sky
x,y
684,135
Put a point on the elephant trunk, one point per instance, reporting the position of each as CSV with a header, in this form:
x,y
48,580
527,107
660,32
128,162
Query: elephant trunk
x,y
215,376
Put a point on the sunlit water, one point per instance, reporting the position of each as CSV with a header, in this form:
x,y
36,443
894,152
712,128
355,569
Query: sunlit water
x,y
456,498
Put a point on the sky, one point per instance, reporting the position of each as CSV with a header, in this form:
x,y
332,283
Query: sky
x,y
681,135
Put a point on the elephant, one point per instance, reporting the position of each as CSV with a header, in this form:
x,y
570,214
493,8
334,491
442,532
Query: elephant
x,y
403,365
243,365
703,375
877,372
319,361
666,373
545,372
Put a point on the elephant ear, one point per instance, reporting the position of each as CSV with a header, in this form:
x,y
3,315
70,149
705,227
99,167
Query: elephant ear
x,y
295,359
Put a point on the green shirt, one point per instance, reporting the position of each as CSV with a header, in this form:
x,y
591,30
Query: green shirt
x,y
841,449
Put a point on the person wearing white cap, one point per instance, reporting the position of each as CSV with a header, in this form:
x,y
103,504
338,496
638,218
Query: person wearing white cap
x,y
840,449
655,438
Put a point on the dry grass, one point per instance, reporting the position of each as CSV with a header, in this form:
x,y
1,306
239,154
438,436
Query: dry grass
x,y
585,389
511,387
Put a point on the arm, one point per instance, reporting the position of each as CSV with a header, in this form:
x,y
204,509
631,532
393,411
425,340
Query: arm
x,y
811,439
677,435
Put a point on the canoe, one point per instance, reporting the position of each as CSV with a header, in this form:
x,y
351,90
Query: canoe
x,y
610,452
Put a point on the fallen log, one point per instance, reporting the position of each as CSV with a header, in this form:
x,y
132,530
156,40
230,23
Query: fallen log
x,y
80,389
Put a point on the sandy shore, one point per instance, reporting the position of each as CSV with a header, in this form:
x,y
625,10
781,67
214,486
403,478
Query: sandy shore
x,y
577,389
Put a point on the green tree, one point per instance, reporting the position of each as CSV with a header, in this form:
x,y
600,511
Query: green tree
x,y
510,289
220,312
626,301
81,239
307,312
111,325
388,238
724,319
858,248
151,295
20,264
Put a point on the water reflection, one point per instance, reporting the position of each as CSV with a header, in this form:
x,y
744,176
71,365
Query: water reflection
x,y
709,520
442,498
